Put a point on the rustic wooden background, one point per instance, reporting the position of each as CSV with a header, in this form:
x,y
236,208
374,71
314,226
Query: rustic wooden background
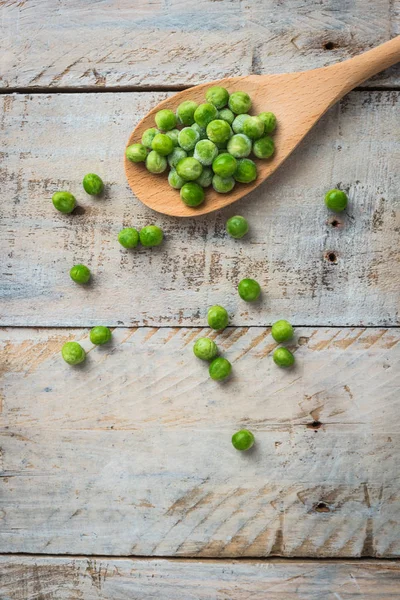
x,y
117,478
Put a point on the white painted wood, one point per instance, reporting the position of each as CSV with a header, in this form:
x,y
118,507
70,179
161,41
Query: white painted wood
x,y
117,43
30,578
131,454
50,142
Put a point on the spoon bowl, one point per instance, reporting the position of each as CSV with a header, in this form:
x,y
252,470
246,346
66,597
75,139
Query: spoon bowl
x,y
297,99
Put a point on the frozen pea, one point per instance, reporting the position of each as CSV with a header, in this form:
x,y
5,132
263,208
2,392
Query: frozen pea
x,y
64,202
282,331
80,273
336,200
148,136
204,114
189,168
205,349
224,165
283,357
253,127
217,317
192,194
200,130
175,180
173,134
162,144
239,145
239,103
226,115
249,290
205,179
264,147
151,235
128,237
165,119
176,155
100,335
243,440
205,151
93,184
223,185
188,138
218,96
246,171
220,368
237,124
269,120
185,112
219,131
237,227
73,353
155,163
136,153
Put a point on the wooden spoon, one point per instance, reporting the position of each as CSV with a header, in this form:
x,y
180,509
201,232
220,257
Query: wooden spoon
x,y
297,99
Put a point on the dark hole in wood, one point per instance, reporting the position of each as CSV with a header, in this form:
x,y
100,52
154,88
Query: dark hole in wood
x,y
335,223
331,257
314,425
329,46
322,508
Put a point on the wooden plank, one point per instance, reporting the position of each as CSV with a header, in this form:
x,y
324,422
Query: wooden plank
x,y
154,43
29,578
131,454
50,142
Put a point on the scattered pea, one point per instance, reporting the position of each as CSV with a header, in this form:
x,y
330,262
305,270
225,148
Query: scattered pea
x,y
192,194
80,274
219,131
205,151
223,185
205,349
217,317
226,115
225,165
73,353
283,357
188,138
176,155
189,168
204,114
243,440
282,331
185,112
165,119
220,368
249,290
253,127
151,235
218,96
148,137
239,145
162,144
128,237
336,200
238,123
239,103
155,163
246,171
175,180
93,184
100,335
264,147
173,134
237,227
64,202
205,179
269,120
136,153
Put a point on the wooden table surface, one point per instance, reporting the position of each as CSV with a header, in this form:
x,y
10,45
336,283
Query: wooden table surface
x,y
117,478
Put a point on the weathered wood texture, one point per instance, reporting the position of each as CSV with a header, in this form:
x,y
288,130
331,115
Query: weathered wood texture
x,y
50,142
117,43
131,454
52,578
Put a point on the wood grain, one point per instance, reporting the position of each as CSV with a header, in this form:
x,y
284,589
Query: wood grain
x,y
50,142
117,43
131,454
30,578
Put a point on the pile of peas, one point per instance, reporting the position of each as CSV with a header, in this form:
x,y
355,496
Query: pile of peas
x,y
212,146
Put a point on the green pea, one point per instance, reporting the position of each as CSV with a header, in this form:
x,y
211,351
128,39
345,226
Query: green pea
x,y
151,235
136,153
205,179
283,357
243,440
80,274
73,353
218,96
239,103
269,120
224,165
93,184
217,317
239,145
185,112
162,144
200,130
264,147
253,127
176,155
249,290
148,136
189,168
205,349
173,134
64,202
220,368
238,123
128,237
100,335
246,171
219,131
204,114
188,138
336,200
282,331
155,163
175,180
237,227
205,152
226,115
192,194
223,185
165,119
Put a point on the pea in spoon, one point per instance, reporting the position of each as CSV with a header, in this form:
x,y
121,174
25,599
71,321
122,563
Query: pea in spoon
x,y
297,99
